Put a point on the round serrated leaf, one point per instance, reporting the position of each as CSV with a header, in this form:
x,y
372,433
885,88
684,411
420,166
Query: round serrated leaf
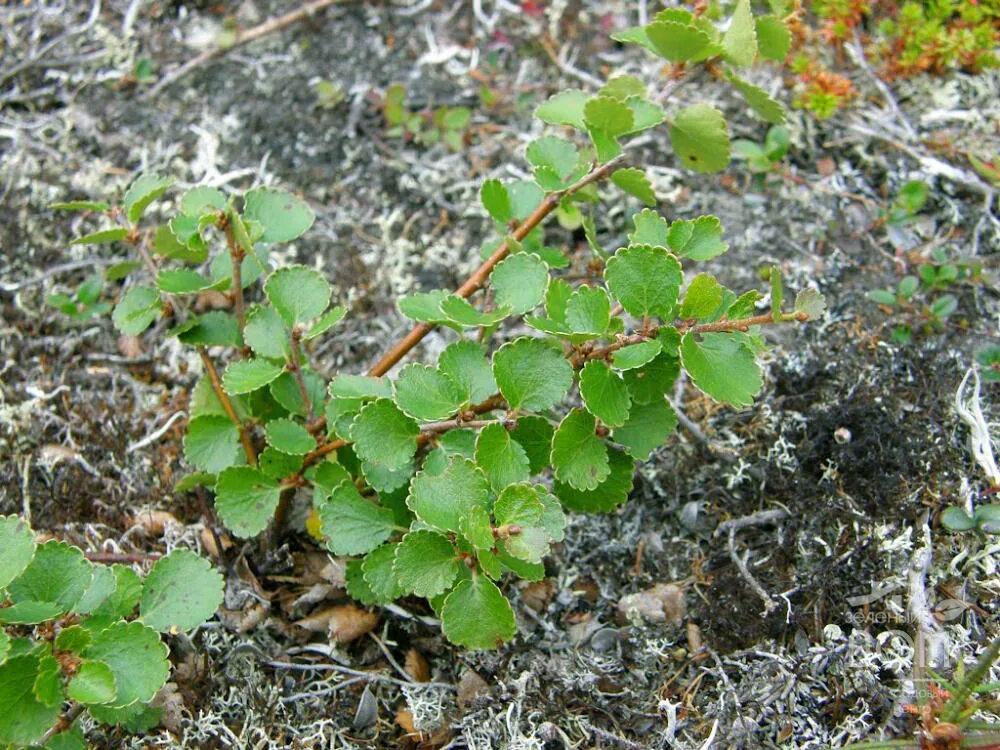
x,y
645,279
102,586
212,443
441,500
288,436
604,393
519,282
383,435
182,281
579,456
426,393
24,718
137,659
146,189
700,138
245,499
17,547
476,615
380,574
246,375
531,374
121,602
137,310
94,682
496,200
635,182
266,334
636,355
466,363
611,493
477,529
503,460
426,563
214,328
352,524
534,434
180,593
283,216
297,293
653,380
58,574
702,298
677,41
588,310
723,366
648,427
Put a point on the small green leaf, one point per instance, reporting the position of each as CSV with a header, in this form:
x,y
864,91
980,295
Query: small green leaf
x,y
332,316
744,305
58,574
80,206
360,387
607,119
299,294
17,547
588,310
245,499
181,592
146,189
30,613
519,282
531,374
215,328
810,302
579,457
201,200
758,99
623,87
604,393
702,298
384,435
354,525
773,37
25,719
654,379
477,529
427,394
423,307
278,465
645,279
466,364
102,237
496,200
246,375
137,310
565,108
611,493
121,602
636,355
648,427
137,659
212,443
534,434
635,182
476,615
739,43
677,41
289,437
502,459
956,519
698,239
357,588
556,162
380,575
441,500
700,138
265,332
650,229
723,366
458,310
94,682
426,563
182,281
283,216
48,685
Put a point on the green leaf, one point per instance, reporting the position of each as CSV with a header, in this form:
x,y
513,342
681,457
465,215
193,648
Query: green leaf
x,y
648,427
423,307
25,718
700,138
553,520
557,298
652,380
441,500
773,37
136,717
588,310
519,512
180,240
811,302
277,464
332,316
212,443
476,615
739,43
384,435
360,387
477,529
17,547
182,281
956,519
48,683
607,119
122,601
611,493
531,374
137,310
650,229
579,456
556,162
634,182
94,682
519,282
426,563
357,588
102,237
181,592
525,196
146,189
352,524
645,279
723,366
744,306
758,99
534,434
604,393
698,239
266,334
245,500
496,200
777,293
623,87
58,574
214,328
466,364
80,206
289,437
246,375
203,199
502,459
677,41
565,108
702,298
283,216
136,657
636,355
30,613
427,394
458,310
71,739
298,293
380,575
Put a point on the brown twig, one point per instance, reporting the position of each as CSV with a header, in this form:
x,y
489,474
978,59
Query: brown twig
x,y
227,405
242,37
120,557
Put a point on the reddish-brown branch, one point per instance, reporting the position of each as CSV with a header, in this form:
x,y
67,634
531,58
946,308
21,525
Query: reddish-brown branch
x,y
227,405
119,557
481,275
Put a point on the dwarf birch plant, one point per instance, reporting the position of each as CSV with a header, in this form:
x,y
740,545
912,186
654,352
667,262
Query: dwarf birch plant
x,y
449,477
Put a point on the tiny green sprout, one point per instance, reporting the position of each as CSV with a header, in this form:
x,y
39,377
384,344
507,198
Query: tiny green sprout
x,y
85,303
909,201
985,518
96,631
446,125
989,361
143,71
328,94
764,157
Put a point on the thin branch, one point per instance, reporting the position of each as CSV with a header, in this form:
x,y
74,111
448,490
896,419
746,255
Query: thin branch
x,y
296,368
236,254
227,405
120,557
